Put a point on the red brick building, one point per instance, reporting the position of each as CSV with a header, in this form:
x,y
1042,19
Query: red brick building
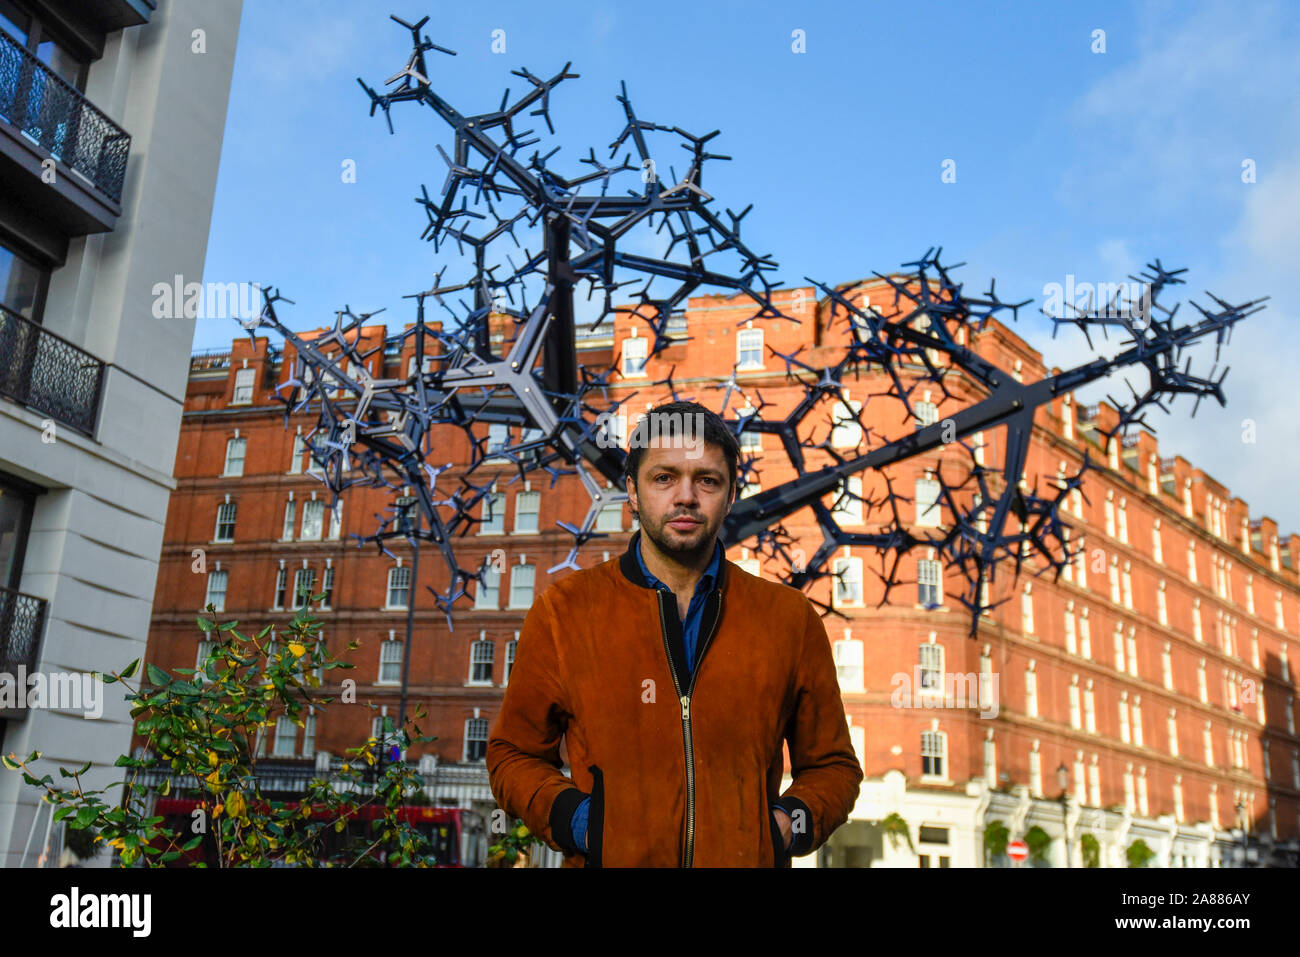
x,y
1156,673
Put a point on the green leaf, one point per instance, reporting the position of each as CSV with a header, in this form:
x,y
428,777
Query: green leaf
x,y
129,670
206,625
85,815
157,676
83,768
11,765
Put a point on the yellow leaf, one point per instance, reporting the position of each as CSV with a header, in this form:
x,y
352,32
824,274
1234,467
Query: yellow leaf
x,y
212,759
216,811
214,778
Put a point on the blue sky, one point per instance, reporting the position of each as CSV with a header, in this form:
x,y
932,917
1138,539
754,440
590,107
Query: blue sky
x,y
1067,161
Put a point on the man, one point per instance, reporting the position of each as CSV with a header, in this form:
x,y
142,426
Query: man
x,y
674,676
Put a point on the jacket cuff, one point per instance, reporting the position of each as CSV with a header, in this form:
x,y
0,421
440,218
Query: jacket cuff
x,y
561,819
801,820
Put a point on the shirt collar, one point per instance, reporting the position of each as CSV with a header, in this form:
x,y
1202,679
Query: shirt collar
x,y
706,580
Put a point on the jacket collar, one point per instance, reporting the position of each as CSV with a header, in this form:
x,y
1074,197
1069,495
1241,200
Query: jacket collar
x,y
631,568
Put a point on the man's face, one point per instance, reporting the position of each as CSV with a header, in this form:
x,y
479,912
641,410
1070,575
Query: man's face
x,y
682,496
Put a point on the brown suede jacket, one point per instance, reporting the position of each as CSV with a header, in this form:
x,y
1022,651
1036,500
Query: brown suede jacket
x,y
681,767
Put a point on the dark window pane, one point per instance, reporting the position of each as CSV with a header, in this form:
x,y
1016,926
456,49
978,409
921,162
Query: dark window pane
x,y
15,519
22,285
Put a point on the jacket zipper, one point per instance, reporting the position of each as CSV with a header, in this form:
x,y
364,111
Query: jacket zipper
x,y
688,854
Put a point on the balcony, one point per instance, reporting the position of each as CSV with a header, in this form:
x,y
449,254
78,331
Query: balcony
x,y
22,620
42,116
48,374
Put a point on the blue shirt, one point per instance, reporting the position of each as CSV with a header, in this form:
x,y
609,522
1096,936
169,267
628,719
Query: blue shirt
x,y
691,635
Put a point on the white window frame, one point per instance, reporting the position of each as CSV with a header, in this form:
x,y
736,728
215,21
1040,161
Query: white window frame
x,y
245,382
398,573
237,444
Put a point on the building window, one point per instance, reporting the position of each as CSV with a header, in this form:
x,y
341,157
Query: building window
x,y
1031,692
848,664
336,519
929,579
927,413
216,596
610,518
848,504
1157,551
390,662
846,433
399,587
226,522
1076,721
931,666
1191,561
482,656
1071,638
290,510
1167,667
494,514
1036,773
235,456
498,439
750,440
927,502
201,660
309,737
299,451
1089,709
281,577
304,579
243,387
476,737
749,349
327,588
521,585
510,657
487,595
1202,687
1094,783
1027,610
313,514
634,356
848,582
1162,605
1123,521
286,736
1171,727
526,508
934,749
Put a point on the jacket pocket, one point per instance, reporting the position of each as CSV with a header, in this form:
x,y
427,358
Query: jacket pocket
x,y
780,856
596,817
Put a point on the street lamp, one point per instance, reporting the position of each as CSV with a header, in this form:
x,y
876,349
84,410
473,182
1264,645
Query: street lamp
x,y
1063,779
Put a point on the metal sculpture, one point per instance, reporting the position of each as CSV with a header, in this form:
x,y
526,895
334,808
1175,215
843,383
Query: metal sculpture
x,y
379,432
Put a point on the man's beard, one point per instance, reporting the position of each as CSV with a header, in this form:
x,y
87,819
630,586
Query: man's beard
x,y
679,550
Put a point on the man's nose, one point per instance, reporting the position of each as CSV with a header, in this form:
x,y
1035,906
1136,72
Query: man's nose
x,y
685,493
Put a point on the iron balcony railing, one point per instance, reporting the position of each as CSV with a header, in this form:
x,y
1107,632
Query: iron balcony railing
x,y
22,620
48,373
61,120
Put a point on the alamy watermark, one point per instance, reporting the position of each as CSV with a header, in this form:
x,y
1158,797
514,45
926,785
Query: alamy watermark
x,y
56,691
684,427
1107,300
932,689
206,300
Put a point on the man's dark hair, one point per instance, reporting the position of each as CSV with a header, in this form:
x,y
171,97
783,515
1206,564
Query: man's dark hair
x,y
716,432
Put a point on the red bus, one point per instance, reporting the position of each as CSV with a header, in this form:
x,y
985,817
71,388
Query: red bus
x,y
457,836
